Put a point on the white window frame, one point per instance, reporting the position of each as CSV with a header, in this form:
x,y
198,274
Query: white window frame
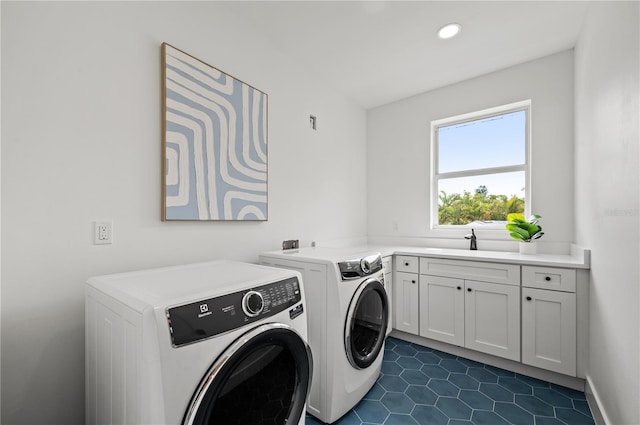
x,y
446,229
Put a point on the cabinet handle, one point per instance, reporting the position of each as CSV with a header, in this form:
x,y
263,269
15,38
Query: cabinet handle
x,y
528,298
547,278
406,264
468,289
413,281
459,288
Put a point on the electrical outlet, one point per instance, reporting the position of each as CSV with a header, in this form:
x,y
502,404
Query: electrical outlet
x,y
102,232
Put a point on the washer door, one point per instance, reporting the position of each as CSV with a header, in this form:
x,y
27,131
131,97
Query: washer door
x,y
366,325
263,378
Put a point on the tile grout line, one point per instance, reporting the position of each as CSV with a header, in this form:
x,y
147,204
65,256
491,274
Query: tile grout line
x,y
432,402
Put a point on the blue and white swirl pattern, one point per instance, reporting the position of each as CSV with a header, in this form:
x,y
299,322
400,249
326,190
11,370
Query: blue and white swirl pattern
x,y
215,143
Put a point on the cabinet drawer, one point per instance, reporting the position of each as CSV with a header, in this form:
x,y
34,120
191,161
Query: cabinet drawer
x,y
405,263
471,270
549,278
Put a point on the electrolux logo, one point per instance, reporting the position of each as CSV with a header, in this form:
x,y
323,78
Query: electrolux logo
x,y
204,311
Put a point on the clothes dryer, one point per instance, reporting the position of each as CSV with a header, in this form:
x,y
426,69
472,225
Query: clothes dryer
x,y
219,342
348,313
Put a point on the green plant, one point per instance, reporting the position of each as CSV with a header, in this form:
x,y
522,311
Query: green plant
x,y
524,230
467,207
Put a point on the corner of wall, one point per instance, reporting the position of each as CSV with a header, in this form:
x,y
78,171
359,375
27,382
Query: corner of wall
x,y
599,415
0,198
606,126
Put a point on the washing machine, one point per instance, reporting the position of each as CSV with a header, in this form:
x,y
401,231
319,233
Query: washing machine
x,y
348,314
220,342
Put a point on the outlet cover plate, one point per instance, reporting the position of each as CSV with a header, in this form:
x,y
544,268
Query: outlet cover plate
x,y
102,232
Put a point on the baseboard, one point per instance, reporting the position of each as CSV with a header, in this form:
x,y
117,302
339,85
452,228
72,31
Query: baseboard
x,y
599,414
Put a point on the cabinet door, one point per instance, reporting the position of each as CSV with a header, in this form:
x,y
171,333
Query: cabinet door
x,y
406,302
442,309
549,330
492,319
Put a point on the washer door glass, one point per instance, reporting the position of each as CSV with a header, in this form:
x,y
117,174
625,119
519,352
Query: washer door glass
x,y
263,378
366,324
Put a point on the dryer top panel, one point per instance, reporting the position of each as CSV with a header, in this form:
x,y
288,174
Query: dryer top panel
x,y
169,286
323,254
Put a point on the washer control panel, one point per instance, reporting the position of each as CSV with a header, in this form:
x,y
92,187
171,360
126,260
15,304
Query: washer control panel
x,y
366,266
206,318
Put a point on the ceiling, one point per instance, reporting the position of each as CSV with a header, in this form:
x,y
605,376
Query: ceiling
x,y
377,52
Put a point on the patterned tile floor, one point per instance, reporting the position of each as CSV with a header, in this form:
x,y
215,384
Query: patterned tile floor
x,y
422,386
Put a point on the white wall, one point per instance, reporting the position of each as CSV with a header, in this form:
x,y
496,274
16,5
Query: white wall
x,y
81,140
0,203
607,138
399,154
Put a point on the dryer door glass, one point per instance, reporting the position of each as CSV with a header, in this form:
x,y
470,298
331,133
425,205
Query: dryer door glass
x,y
366,324
263,378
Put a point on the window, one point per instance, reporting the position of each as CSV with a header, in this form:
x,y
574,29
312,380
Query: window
x,y
480,166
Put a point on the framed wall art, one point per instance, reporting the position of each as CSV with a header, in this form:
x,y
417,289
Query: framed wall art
x,y
214,164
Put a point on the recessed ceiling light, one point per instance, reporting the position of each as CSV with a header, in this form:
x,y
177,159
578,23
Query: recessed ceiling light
x,y
449,30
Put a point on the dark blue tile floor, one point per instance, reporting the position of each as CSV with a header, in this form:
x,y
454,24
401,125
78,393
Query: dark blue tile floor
x,y
419,385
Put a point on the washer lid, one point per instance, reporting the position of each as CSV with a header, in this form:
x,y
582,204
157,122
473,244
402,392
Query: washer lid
x,y
168,286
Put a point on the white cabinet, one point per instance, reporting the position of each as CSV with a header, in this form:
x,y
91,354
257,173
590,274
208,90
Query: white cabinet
x,y
508,274
492,319
406,291
479,315
407,264
405,286
442,309
406,302
523,313
552,278
549,319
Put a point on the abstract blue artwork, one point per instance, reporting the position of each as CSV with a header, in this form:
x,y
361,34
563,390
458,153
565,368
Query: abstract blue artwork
x,y
214,143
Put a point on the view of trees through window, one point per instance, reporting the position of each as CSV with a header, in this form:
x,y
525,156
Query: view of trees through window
x,y
465,208
480,168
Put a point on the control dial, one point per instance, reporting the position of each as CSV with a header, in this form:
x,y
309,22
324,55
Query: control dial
x,y
365,265
252,303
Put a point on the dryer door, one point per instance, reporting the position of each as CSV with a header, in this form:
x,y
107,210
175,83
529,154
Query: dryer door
x,y
263,378
366,325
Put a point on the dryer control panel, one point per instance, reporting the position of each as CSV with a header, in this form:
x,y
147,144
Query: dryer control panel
x,y
206,318
360,267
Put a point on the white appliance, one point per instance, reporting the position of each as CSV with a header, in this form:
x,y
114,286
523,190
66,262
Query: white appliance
x,y
219,342
348,314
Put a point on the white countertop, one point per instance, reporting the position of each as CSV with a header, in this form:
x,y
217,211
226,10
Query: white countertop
x,y
578,258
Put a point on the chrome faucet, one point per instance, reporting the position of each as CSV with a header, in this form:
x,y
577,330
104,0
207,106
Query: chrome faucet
x,y
473,246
